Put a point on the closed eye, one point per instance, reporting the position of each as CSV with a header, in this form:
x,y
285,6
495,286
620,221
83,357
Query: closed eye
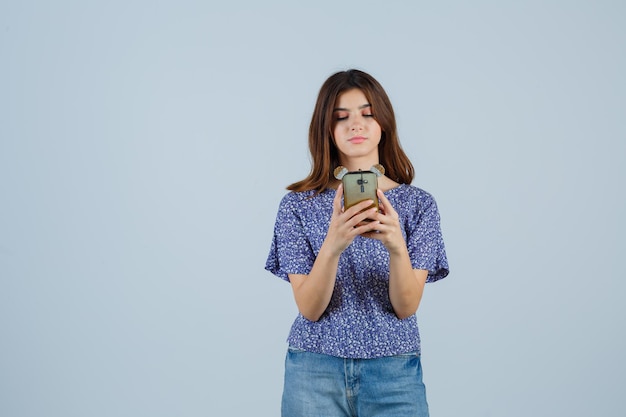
x,y
341,115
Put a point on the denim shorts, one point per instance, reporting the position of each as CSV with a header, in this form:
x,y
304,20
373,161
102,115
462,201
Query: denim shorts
x,y
319,385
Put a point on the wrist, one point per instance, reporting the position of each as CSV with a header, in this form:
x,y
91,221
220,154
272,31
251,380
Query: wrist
x,y
328,253
398,252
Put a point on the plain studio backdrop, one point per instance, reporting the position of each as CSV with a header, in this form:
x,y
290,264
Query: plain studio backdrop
x,y
145,146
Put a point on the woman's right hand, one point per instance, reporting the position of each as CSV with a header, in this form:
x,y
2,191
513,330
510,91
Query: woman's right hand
x,y
314,291
343,223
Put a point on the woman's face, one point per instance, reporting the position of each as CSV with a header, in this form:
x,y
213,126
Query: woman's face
x,y
356,132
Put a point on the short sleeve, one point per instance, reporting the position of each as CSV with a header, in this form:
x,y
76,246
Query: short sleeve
x,y
425,241
290,250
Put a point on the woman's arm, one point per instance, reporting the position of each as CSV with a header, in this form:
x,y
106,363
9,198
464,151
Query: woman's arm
x,y
313,292
406,285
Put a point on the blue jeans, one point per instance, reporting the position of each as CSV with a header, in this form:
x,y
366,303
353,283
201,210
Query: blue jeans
x,y
319,385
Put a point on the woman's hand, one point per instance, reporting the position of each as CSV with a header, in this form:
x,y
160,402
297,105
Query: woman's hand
x,y
344,225
386,226
406,285
314,291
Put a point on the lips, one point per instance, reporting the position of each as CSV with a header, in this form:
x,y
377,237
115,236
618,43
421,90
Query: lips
x,y
356,139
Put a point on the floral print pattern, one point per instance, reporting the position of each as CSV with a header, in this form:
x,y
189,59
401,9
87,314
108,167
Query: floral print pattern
x,y
359,321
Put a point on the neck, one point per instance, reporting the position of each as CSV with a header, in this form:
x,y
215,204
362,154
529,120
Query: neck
x,y
355,164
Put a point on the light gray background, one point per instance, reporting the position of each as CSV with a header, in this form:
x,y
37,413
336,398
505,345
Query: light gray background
x,y
145,145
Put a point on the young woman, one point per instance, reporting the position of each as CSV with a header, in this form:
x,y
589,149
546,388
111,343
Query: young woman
x,y
354,349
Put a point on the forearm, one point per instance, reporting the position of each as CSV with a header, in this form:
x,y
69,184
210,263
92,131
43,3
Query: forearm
x,y
406,285
313,292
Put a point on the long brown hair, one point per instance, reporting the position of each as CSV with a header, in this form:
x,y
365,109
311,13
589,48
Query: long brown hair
x,y
324,153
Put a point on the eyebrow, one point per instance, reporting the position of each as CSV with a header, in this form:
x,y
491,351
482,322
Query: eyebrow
x,y
364,106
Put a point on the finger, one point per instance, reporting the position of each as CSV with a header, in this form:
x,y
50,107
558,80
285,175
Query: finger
x,y
372,230
387,207
337,199
360,206
360,219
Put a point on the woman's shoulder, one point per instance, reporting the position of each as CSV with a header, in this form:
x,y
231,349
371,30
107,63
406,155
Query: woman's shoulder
x,y
413,202
303,199
411,191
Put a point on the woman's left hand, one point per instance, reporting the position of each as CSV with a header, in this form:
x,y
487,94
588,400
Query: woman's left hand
x,y
386,226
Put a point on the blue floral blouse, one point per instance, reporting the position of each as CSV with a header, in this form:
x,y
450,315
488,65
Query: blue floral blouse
x,y
359,321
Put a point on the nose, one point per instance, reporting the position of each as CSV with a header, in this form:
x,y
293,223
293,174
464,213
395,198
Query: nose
x,y
357,125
